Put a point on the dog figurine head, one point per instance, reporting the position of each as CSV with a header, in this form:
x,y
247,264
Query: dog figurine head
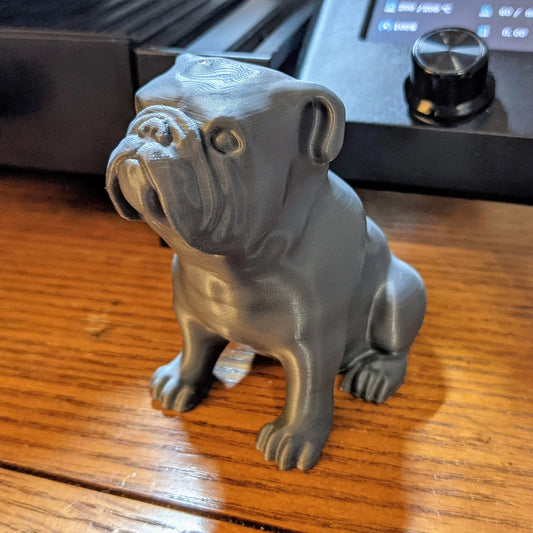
x,y
210,155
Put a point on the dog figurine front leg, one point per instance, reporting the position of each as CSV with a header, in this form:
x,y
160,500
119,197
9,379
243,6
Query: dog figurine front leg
x,y
297,436
184,382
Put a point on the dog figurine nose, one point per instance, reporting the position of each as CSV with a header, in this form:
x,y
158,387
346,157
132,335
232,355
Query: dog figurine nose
x,y
157,129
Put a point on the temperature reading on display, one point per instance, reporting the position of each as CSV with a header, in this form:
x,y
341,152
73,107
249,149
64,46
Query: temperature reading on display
x,y
507,11
504,24
516,33
408,6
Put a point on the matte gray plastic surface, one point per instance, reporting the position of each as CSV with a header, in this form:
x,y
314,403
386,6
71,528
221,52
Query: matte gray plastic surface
x,y
228,163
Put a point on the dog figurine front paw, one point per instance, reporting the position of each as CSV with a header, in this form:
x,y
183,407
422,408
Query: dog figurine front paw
x,y
228,163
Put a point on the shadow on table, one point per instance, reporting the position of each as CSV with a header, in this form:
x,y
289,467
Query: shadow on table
x,y
363,480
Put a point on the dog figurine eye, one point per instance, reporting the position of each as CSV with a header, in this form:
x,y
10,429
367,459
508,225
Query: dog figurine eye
x,y
226,141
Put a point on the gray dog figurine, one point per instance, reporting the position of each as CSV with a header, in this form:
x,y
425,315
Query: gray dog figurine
x,y
228,163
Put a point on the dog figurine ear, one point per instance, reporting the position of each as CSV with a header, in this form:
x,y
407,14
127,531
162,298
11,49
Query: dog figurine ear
x,y
322,126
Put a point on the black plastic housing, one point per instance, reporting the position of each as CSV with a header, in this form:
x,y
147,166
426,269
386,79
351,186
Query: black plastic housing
x,y
69,70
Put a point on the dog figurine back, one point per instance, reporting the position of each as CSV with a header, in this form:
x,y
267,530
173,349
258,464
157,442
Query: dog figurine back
x,y
228,163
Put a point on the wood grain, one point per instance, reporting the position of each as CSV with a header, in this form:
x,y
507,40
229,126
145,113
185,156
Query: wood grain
x,y
32,504
85,318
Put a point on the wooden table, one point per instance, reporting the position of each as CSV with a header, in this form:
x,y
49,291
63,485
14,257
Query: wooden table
x,y
85,318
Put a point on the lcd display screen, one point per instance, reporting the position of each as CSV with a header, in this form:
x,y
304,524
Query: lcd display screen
x,y
505,25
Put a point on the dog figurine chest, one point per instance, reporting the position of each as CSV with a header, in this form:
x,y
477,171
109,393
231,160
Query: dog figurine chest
x,y
256,306
228,163
238,308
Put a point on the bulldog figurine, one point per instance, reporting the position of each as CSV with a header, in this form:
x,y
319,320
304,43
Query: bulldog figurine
x,y
228,163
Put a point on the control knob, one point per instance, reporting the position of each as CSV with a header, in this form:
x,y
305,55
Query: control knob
x,y
450,80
